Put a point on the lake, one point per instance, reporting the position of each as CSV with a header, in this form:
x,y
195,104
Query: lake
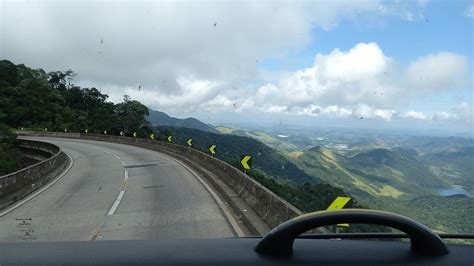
x,y
445,192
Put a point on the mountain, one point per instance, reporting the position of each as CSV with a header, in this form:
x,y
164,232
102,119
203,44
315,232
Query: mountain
x,y
157,118
377,172
401,180
230,148
273,142
455,165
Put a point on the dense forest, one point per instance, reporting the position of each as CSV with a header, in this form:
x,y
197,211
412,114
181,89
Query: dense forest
x,y
34,99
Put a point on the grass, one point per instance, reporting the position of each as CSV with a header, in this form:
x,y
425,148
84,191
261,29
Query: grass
x,y
225,130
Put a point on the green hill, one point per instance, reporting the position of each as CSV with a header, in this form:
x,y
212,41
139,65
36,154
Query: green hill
x,y
157,118
455,166
397,180
273,142
231,147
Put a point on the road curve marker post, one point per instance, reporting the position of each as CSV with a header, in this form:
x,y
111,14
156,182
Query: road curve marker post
x,y
170,139
212,149
246,162
190,143
338,204
152,136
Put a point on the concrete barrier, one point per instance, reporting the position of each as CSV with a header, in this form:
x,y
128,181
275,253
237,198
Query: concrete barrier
x,y
272,209
17,185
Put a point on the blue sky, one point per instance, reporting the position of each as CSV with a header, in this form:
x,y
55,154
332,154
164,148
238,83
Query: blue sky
x,y
445,27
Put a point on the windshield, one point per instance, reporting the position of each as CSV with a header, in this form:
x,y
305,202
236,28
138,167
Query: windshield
x,y
207,119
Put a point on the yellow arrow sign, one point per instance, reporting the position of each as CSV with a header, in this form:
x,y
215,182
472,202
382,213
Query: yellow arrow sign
x,y
246,162
105,132
134,134
212,149
86,130
121,133
190,142
65,130
45,129
152,136
169,138
22,129
338,204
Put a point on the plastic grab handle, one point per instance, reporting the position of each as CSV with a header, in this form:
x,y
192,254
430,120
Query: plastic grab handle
x,y
279,241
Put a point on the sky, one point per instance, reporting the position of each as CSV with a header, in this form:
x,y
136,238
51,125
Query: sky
x,y
375,64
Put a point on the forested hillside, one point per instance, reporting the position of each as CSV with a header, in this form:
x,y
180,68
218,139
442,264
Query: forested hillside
x,y
157,118
34,99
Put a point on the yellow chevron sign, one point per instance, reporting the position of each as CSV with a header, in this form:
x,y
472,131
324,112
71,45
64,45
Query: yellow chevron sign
x,y
105,132
338,204
152,136
86,131
121,133
246,161
134,134
190,142
169,138
212,149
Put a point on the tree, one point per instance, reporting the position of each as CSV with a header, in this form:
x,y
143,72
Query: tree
x,y
131,114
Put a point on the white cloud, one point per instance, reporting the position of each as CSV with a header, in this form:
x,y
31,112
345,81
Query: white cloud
x,y
415,115
182,62
339,78
365,81
441,71
469,11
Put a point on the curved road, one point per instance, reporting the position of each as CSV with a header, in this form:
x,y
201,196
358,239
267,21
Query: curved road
x,y
115,191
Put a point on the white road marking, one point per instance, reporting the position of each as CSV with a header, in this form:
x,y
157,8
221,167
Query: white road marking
x,y
123,164
41,190
116,157
114,207
224,208
106,151
116,203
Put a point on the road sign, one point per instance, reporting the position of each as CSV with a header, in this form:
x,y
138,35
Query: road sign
x,y
121,133
86,131
212,149
152,136
134,134
169,138
65,130
45,129
246,161
22,129
338,204
190,142
105,132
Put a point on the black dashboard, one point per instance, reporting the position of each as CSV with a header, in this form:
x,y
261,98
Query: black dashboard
x,y
233,251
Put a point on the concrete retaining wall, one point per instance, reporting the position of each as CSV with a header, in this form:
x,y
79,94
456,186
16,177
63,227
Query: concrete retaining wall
x,y
266,204
17,185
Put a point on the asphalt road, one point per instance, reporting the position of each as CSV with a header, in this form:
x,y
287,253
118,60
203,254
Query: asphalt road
x,y
114,191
